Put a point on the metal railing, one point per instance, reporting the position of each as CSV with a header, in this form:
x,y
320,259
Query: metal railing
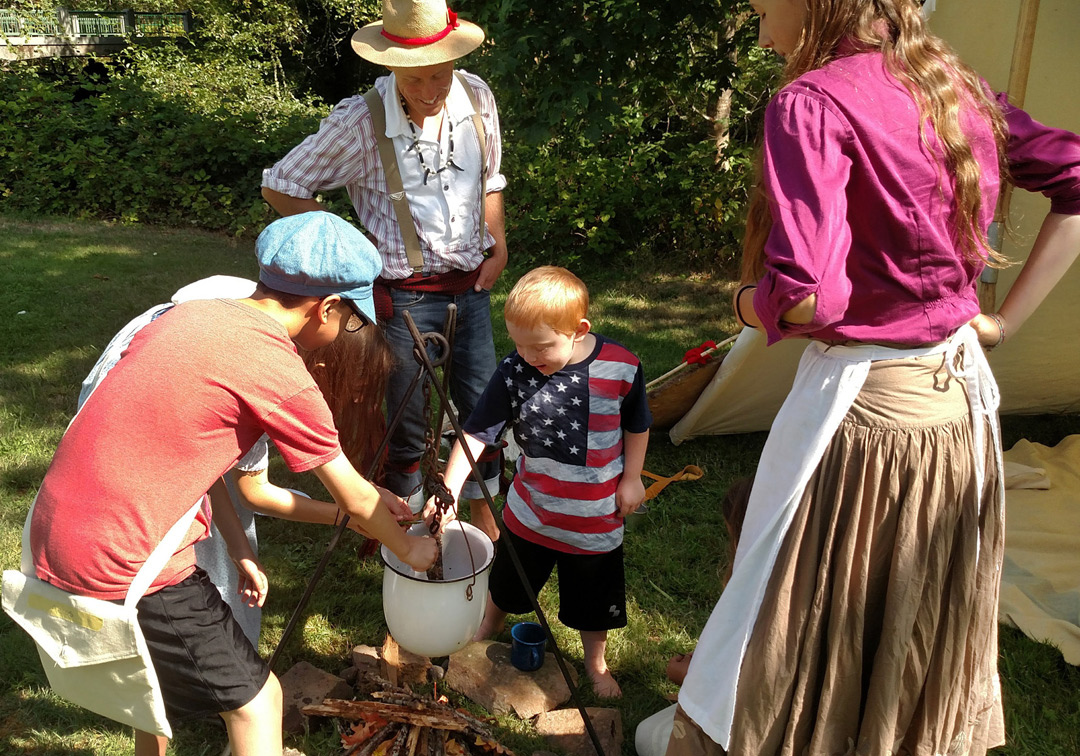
x,y
98,24
81,23
162,24
29,23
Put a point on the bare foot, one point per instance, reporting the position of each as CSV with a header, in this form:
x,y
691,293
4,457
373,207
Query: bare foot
x,y
494,622
488,630
604,684
677,667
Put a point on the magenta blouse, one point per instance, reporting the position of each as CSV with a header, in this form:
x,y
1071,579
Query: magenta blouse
x,y
861,206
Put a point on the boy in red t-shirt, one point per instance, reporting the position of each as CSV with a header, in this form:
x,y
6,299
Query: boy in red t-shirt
x,y
222,373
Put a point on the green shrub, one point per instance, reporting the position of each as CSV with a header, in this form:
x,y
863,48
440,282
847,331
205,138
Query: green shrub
x,y
663,202
168,138
609,110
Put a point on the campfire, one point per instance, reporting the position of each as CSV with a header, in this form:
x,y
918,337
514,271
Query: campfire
x,y
400,723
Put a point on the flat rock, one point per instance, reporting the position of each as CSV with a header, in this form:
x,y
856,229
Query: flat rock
x,y
366,659
483,673
349,675
565,730
306,684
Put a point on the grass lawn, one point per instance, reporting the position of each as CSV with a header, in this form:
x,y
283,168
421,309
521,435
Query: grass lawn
x,y
67,287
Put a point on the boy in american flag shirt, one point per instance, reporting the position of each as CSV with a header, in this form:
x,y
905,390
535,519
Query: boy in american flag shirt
x,y
576,403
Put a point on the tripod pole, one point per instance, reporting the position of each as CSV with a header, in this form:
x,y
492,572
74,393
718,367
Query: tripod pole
x,y
505,541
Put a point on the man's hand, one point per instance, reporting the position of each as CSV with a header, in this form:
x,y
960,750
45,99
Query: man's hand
x,y
252,585
629,494
490,270
422,552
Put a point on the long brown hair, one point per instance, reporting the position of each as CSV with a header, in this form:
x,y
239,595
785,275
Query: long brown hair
x,y
352,373
941,84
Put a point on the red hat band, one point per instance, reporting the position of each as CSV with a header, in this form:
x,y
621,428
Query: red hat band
x,y
451,24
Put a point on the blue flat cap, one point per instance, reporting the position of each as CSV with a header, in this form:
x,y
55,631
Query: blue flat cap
x,y
317,254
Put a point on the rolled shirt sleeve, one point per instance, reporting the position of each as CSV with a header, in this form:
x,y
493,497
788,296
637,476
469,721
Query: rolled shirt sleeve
x,y
1043,159
806,173
489,113
332,157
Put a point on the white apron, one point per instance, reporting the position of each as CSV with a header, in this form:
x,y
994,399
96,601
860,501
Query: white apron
x,y
826,385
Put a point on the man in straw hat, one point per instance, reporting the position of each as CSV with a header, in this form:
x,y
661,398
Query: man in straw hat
x,y
419,155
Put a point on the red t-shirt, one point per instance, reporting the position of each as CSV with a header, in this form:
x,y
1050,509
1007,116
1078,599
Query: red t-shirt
x,y
195,389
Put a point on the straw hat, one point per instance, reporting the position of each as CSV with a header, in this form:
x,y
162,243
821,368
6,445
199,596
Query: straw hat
x,y
416,33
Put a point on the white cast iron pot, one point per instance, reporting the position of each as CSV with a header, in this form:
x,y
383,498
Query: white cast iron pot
x,y
437,618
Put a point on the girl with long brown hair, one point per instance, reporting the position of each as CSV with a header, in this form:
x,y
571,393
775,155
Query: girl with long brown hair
x,y
351,373
861,614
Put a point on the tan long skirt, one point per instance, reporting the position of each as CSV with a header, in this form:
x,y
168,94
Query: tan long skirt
x,y
878,630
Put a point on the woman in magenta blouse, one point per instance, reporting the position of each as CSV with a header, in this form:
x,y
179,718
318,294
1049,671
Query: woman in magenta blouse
x,y
861,616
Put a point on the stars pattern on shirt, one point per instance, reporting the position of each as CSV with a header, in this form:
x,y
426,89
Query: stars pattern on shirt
x,y
541,404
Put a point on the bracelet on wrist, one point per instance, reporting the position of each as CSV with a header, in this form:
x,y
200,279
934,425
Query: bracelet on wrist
x,y
738,309
1001,329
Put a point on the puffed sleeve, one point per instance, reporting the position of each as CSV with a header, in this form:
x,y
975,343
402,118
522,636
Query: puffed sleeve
x,y
257,457
806,170
1043,159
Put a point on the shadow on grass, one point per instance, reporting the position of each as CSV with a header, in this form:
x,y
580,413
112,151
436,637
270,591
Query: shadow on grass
x,y
67,288
23,479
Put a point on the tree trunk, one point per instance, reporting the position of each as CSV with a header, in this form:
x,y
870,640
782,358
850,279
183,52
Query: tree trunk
x,y
721,109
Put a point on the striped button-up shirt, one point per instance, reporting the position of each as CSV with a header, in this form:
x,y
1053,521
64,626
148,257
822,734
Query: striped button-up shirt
x,y
445,208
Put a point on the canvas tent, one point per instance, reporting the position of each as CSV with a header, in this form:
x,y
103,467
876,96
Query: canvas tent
x,y
1038,371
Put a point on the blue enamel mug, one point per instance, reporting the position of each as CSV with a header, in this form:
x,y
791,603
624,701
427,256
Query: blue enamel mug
x,y
527,643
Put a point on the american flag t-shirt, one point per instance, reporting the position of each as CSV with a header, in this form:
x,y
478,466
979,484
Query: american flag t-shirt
x,y
569,426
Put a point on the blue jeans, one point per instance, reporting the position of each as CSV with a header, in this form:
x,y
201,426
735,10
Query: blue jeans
x,y
472,365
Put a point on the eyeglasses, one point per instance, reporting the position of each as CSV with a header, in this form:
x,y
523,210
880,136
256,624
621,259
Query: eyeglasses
x,y
354,323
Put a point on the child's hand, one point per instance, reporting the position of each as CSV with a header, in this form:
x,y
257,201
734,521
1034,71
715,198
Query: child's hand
x,y
988,329
398,507
252,584
422,552
430,508
629,494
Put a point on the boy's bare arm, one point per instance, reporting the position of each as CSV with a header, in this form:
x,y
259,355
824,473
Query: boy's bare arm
x,y
457,467
372,506
253,584
630,492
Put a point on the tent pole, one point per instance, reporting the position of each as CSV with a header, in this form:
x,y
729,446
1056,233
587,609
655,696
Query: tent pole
x,y
1017,92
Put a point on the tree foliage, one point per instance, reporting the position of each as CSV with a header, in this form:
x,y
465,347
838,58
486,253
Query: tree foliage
x,y
628,125
612,109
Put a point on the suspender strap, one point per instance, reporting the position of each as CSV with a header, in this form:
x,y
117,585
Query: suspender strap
x,y
481,136
393,180
388,156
